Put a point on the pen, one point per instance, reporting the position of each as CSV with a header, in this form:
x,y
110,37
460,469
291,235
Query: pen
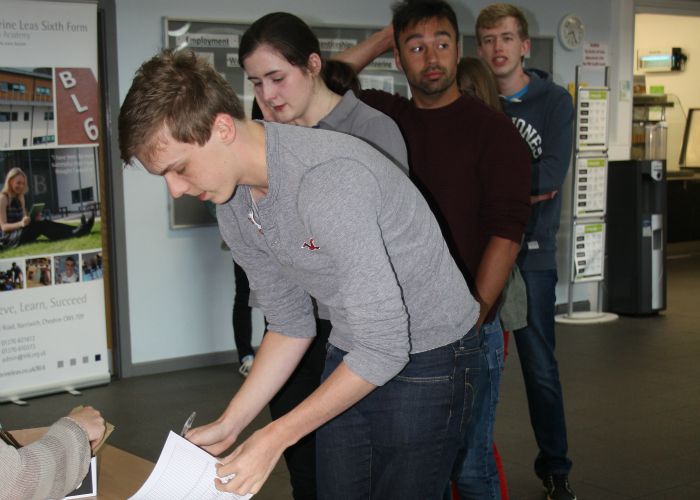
x,y
9,438
188,424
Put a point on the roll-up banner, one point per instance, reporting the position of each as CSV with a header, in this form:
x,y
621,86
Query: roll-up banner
x,y
52,306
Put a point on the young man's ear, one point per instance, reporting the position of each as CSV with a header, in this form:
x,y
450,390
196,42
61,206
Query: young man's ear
x,y
525,47
224,128
397,58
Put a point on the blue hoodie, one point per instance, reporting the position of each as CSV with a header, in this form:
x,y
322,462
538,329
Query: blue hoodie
x,y
544,116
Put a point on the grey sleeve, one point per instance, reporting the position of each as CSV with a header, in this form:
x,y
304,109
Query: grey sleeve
x,y
50,467
383,133
286,306
340,205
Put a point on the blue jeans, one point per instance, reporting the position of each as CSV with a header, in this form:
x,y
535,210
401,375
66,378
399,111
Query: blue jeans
x,y
535,345
476,475
401,440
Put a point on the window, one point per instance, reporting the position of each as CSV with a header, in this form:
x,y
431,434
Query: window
x,y
8,116
24,141
84,194
43,91
44,139
48,115
12,87
26,116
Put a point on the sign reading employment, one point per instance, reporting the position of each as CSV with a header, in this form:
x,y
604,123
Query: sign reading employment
x,y
207,41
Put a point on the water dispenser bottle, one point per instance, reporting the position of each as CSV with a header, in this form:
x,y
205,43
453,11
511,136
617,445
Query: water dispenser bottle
x,y
660,140
655,137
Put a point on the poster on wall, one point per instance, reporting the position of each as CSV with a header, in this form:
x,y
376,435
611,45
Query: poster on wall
x,y
52,310
218,42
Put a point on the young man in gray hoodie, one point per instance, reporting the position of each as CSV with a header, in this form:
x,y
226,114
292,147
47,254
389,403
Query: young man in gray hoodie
x,y
313,213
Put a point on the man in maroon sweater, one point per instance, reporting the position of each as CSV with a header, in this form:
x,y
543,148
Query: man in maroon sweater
x,y
472,167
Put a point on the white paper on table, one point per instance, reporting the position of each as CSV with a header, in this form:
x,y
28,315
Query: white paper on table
x,y
183,471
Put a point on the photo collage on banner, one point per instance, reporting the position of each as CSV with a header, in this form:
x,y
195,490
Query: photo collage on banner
x,y
52,308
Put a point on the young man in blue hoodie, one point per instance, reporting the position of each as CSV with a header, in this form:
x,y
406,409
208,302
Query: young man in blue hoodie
x,y
543,114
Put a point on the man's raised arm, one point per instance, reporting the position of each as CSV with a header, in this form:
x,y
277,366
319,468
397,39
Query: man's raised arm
x,y
369,49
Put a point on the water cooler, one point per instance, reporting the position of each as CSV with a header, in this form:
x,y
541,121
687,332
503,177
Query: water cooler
x,y
636,237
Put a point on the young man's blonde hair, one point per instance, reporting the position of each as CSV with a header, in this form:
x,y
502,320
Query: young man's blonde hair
x,y
493,14
179,90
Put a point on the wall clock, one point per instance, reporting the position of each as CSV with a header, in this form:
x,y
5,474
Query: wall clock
x,y
571,32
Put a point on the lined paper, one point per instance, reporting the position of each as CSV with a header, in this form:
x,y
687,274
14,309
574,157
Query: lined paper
x,y
183,472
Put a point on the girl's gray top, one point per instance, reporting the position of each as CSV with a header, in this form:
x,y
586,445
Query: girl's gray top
x,y
342,224
356,118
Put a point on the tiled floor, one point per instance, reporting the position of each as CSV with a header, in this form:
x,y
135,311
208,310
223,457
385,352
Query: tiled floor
x,y
632,397
632,391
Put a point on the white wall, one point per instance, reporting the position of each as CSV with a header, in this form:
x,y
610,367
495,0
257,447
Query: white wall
x,y
180,283
655,31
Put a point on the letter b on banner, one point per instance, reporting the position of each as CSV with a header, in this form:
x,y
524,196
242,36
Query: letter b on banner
x,y
67,79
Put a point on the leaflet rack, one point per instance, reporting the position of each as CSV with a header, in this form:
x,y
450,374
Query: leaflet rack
x,y
588,198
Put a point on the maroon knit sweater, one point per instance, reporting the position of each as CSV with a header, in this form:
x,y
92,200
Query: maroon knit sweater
x,y
471,165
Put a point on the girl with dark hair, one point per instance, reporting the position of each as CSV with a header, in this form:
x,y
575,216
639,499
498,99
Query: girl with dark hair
x,y
282,58
340,77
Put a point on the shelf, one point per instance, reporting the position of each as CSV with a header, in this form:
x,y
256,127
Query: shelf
x,y
651,100
653,105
